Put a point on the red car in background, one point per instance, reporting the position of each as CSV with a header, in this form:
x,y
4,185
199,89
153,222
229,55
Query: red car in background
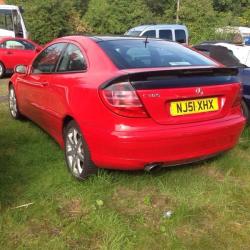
x,y
14,51
129,103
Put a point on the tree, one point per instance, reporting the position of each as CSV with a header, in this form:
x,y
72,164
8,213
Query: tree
x,y
116,16
81,6
200,18
49,19
236,6
158,7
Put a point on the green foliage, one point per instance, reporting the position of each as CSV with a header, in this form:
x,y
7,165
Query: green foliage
x,y
201,24
52,12
49,19
230,5
116,16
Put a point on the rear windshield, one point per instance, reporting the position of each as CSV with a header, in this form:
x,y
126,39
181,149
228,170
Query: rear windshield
x,y
149,53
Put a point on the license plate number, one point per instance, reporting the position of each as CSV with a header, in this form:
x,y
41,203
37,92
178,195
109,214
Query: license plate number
x,y
194,106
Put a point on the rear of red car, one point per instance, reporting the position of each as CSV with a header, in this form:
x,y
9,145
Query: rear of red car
x,y
167,115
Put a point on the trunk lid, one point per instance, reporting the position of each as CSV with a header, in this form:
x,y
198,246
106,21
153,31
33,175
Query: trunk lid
x,y
186,95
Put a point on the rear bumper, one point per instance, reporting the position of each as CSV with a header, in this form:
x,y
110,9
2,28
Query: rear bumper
x,y
167,145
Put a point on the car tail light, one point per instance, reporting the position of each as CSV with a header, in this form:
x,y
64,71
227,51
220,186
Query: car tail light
x,y
238,98
122,99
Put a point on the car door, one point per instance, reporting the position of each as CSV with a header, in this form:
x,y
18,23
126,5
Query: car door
x,y
71,70
35,87
17,52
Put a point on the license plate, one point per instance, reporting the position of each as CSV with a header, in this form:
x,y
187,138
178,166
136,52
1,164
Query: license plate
x,y
194,106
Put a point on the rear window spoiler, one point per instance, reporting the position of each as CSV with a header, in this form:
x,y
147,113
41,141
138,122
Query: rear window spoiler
x,y
177,78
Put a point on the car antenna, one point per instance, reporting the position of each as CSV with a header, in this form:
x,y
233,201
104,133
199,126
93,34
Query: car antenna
x,y
146,41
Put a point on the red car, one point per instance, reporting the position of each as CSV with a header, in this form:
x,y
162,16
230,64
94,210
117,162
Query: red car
x,y
129,103
14,51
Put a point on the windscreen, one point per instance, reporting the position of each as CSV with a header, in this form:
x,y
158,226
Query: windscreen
x,y
133,33
149,53
6,21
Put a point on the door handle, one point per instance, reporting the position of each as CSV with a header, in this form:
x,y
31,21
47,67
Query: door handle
x,y
9,53
44,84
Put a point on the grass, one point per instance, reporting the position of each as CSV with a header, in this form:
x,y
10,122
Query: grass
x,y
118,210
3,87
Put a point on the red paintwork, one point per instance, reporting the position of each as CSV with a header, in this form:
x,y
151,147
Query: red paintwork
x,y
12,57
122,142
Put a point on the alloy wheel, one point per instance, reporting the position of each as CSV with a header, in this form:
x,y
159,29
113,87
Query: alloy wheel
x,y
1,70
74,151
13,103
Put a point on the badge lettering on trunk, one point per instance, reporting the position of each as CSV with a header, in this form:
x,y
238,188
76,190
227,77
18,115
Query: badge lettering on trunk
x,y
199,91
152,95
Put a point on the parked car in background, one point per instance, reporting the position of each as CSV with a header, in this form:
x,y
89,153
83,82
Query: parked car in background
x,y
173,32
11,21
236,32
226,57
129,103
14,51
242,52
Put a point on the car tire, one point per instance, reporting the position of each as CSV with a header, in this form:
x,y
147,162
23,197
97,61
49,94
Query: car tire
x,y
2,70
245,111
76,152
13,105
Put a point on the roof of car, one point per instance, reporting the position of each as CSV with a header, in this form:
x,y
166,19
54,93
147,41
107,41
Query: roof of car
x,y
158,26
3,38
111,38
8,7
100,38
214,42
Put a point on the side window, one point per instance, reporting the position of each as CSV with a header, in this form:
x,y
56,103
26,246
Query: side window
x,y
27,45
72,60
166,34
18,44
150,33
180,36
12,44
46,61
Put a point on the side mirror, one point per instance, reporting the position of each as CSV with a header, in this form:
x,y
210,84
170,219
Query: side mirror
x,y
21,69
38,49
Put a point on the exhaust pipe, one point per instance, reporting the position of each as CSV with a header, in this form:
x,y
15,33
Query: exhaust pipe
x,y
151,166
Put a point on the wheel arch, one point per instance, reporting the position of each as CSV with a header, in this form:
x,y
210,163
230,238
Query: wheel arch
x,y
66,120
246,109
2,62
10,83
4,67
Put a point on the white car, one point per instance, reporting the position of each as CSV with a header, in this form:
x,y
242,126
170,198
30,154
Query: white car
x,y
173,32
242,52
